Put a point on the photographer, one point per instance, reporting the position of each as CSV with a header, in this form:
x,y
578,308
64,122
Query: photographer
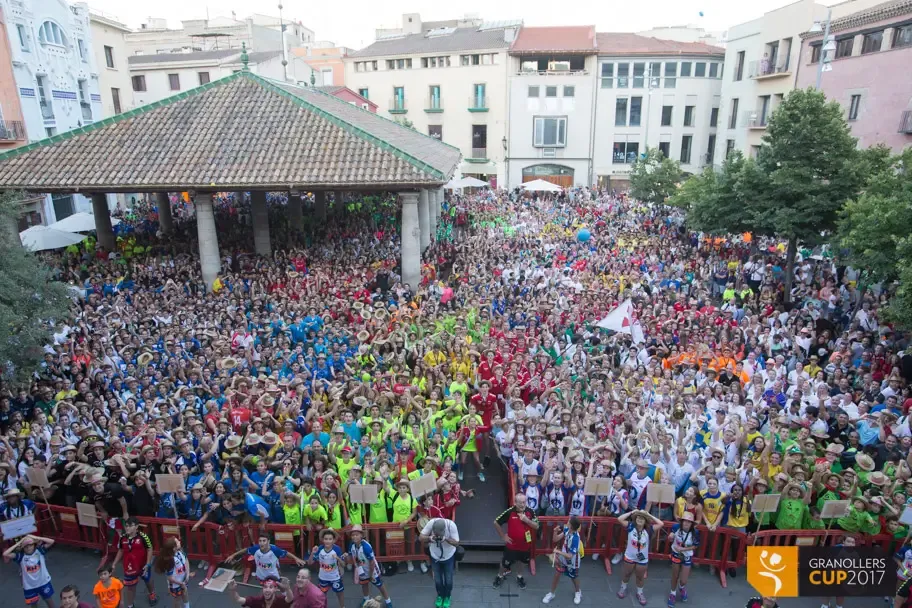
x,y
442,538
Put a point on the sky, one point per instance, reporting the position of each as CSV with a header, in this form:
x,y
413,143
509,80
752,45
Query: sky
x,y
352,23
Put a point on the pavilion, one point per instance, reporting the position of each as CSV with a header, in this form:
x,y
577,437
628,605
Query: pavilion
x,y
244,133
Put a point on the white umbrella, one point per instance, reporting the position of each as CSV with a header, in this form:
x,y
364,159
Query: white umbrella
x,y
454,184
79,222
540,185
473,182
41,238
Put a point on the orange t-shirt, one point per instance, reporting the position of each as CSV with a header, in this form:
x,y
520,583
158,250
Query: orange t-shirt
x,y
108,597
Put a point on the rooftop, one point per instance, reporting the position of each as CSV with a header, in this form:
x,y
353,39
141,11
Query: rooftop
x,y
561,39
623,43
241,131
880,12
460,39
222,56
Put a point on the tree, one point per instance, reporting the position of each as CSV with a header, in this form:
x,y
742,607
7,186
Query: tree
x,y
405,122
30,299
654,178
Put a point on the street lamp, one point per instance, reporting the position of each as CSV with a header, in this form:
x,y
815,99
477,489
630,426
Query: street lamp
x,y
826,47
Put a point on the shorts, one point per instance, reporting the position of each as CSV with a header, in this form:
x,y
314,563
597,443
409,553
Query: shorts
x,y
903,590
44,592
337,586
677,558
512,556
570,573
630,561
176,591
377,581
132,579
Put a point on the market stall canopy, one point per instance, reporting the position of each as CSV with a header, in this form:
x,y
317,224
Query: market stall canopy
x,y
474,182
242,132
540,185
42,238
79,222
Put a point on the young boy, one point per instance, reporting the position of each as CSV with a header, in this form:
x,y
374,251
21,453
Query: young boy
x,y
266,557
135,549
367,570
331,561
567,559
108,589
36,580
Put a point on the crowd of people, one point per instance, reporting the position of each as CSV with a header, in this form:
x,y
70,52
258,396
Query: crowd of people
x,y
300,374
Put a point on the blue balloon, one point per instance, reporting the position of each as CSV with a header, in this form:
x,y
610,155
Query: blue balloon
x,y
583,235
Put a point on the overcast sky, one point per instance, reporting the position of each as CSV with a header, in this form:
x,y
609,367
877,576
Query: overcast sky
x,y
351,23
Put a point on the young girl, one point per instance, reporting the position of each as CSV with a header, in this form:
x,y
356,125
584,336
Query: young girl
x,y
567,558
331,560
36,580
686,539
636,555
172,562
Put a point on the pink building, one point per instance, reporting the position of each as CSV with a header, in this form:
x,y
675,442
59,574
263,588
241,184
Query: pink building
x,y
870,73
350,96
12,127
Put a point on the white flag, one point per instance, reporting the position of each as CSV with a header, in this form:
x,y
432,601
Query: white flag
x,y
620,319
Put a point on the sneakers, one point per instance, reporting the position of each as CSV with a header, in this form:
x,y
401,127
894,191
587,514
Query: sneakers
x,y
438,603
521,582
446,602
671,600
424,567
732,573
481,476
411,567
577,597
641,599
548,597
682,593
153,599
622,592
498,581
459,475
617,559
595,557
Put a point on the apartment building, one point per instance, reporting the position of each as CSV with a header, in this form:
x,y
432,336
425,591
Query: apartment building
x,y
552,105
12,127
445,79
654,93
109,45
867,72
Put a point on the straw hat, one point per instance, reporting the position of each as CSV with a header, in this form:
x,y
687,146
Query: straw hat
x,y
687,516
228,363
360,401
270,438
253,439
877,478
363,336
232,442
268,400
365,314
358,305
144,359
292,274
864,462
835,448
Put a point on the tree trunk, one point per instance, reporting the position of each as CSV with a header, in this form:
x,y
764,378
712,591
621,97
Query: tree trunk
x,y
790,268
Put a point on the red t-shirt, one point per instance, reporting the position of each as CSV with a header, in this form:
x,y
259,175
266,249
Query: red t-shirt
x,y
239,417
135,553
519,532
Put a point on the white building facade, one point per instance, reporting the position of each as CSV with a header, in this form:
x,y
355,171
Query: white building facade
x,y
109,46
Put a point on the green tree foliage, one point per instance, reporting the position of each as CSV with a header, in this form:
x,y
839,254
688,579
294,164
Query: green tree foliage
x,y
29,299
654,178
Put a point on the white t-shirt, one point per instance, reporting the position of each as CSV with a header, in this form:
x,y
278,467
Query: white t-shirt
x,y
441,550
34,569
637,550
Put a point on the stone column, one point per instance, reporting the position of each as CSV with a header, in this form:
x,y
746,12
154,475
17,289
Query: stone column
x,y
210,259
433,213
424,221
103,228
259,213
165,220
320,204
339,198
411,240
295,211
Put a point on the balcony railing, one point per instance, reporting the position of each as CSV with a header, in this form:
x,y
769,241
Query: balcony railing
x,y
755,120
478,103
86,110
397,105
12,130
434,104
767,69
480,153
47,110
905,122
552,73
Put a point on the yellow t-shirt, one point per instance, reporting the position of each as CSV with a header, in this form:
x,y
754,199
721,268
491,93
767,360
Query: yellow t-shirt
x,y
712,506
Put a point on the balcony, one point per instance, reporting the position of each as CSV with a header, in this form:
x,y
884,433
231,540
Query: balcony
x,y
767,70
478,103
755,120
479,155
905,122
12,130
47,110
397,105
434,105
86,111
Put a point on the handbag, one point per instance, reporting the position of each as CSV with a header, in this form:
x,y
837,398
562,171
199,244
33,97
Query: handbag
x,y
460,553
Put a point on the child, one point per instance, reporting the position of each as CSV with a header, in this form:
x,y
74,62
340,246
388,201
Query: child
x,y
172,562
266,556
367,569
636,555
108,589
36,580
567,559
135,549
314,514
686,538
331,560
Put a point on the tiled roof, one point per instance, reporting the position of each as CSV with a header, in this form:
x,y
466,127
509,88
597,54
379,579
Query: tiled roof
x,y
242,131
563,39
623,43
330,90
463,39
879,12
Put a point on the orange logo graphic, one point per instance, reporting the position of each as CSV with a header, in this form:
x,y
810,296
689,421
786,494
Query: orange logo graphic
x,y
773,571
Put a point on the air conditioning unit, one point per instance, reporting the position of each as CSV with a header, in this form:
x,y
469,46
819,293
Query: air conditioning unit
x,y
530,66
559,66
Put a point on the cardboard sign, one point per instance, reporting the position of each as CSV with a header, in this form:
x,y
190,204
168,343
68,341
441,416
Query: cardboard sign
x,y
87,515
14,528
219,581
765,503
169,483
906,517
38,478
835,509
423,485
660,493
597,486
365,494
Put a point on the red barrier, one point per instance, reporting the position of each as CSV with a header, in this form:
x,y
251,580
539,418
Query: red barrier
x,y
822,538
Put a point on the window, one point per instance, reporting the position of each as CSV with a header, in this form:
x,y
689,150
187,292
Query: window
x,y
714,117
533,91
853,107
51,132
478,96
639,71
434,97
81,47
435,62
479,141
689,115
671,72
871,42
665,148
399,64
685,68
24,38
700,69
436,131
550,91
398,98
607,75
363,93
655,74
714,70
666,116
625,152
623,74
139,83
50,33
729,147
487,59
174,82
82,88
115,99
844,47
109,56
711,150
620,112
569,91
550,132
636,111
733,118
203,77
764,109
739,66
815,53
686,143
902,36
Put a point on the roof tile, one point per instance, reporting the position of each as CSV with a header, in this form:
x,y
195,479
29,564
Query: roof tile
x,y
623,43
566,39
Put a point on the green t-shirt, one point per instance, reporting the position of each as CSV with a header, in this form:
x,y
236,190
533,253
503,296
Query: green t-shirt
x,y
293,516
792,514
317,515
402,507
334,518
378,511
